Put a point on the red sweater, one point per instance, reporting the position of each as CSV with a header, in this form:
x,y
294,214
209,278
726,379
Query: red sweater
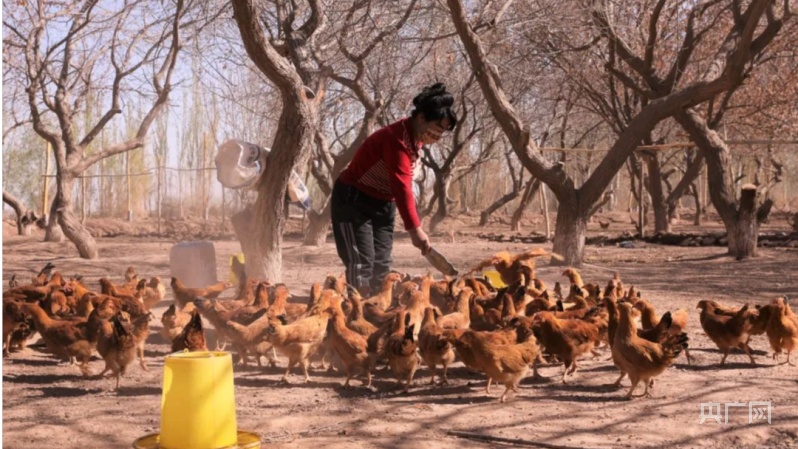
x,y
383,168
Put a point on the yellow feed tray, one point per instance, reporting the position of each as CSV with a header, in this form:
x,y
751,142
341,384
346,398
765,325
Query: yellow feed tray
x,y
495,278
246,440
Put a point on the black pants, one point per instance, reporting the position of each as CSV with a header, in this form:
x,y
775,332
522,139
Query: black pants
x,y
363,230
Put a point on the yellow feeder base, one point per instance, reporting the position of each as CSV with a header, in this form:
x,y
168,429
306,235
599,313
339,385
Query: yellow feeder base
x,y
246,440
495,278
232,276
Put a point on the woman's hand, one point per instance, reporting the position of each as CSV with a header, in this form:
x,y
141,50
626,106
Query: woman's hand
x,y
420,240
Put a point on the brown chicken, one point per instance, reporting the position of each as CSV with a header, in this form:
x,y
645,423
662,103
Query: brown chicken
x,y
356,321
464,341
131,277
246,297
377,316
434,348
117,345
13,319
119,291
219,317
184,295
565,338
512,266
337,283
64,338
246,314
400,350
174,320
573,275
28,293
251,339
649,320
349,345
641,359
727,331
298,340
508,364
418,302
151,292
782,329
44,274
460,318
192,338
281,306
384,297
140,323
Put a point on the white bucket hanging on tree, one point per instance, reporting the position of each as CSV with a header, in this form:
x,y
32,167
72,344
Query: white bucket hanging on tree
x,y
239,164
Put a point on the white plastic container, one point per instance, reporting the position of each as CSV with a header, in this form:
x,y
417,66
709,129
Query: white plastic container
x,y
239,164
194,263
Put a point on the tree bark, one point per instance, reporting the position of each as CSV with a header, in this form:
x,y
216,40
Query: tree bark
x,y
318,226
569,233
690,175
698,205
740,220
662,222
25,217
260,229
531,188
53,232
69,222
744,232
483,217
443,181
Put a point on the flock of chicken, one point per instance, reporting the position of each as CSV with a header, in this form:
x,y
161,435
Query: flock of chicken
x,y
501,332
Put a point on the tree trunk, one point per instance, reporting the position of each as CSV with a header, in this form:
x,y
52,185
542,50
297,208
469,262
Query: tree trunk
x,y
442,182
261,232
544,206
25,217
52,232
483,217
658,202
69,222
529,192
569,232
318,226
744,232
698,205
741,223
691,174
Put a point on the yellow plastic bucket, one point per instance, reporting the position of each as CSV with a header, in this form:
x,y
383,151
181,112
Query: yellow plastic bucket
x,y
232,276
495,278
198,408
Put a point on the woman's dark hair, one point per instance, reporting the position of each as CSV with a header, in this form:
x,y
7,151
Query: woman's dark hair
x,y
436,104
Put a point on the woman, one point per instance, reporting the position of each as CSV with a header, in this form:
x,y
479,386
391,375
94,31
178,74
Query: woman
x,y
378,181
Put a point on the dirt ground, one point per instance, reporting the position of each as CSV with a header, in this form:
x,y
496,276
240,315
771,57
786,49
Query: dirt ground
x,y
47,404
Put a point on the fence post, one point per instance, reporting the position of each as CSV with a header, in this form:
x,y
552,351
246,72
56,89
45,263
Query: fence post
x,y
159,196
642,199
46,179
127,176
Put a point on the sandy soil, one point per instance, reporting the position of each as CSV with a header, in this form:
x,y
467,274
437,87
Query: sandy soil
x,y
47,404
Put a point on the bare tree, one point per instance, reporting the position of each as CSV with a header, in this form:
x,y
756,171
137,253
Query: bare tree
x,y
25,217
97,45
753,27
284,57
516,186
576,204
